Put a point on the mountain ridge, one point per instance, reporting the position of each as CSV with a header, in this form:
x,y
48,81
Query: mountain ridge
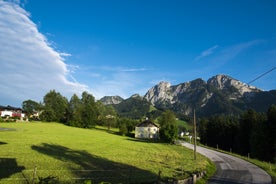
x,y
219,94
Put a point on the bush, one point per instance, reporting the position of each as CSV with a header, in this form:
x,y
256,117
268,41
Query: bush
x,y
123,129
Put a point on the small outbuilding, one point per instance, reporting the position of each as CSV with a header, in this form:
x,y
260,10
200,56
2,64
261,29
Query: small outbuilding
x,y
147,130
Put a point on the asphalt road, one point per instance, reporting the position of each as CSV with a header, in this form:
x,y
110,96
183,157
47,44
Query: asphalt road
x,y
231,169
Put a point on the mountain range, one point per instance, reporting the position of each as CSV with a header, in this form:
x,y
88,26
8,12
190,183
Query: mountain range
x,y
220,94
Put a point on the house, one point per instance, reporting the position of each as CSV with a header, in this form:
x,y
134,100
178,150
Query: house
x,y
9,111
147,130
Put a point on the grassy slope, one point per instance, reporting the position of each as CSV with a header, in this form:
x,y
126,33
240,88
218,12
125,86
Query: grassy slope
x,y
184,124
73,153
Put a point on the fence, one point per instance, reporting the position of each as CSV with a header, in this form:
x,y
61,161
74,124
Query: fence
x,y
80,176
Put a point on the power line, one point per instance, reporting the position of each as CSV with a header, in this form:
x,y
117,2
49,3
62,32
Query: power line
x,y
262,75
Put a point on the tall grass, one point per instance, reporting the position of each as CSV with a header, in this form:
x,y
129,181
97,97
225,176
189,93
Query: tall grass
x,y
33,151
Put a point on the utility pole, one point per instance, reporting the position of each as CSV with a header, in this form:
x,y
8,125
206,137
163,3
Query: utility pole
x,y
194,135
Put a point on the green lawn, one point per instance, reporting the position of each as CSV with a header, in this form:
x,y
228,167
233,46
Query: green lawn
x,y
69,154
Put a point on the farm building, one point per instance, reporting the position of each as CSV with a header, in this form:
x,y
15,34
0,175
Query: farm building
x,y
147,130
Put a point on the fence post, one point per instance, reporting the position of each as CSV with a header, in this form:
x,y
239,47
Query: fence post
x,y
159,176
34,175
194,178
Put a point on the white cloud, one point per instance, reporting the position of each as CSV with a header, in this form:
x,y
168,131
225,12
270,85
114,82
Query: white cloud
x,y
232,51
30,67
206,53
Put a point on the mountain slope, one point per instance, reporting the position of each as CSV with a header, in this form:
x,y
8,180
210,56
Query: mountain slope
x,y
134,107
221,94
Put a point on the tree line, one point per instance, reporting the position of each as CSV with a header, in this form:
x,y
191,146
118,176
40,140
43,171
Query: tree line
x,y
83,112
252,133
86,112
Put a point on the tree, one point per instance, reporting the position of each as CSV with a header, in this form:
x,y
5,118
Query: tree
x,y
126,125
203,130
31,107
108,115
89,111
55,107
258,137
271,133
123,129
168,129
219,130
74,112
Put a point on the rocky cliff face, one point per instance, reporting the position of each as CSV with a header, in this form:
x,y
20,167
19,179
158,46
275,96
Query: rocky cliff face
x,y
198,93
224,82
160,92
111,100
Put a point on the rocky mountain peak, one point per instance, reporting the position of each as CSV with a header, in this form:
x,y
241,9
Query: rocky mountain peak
x,y
224,82
161,91
136,96
110,100
220,81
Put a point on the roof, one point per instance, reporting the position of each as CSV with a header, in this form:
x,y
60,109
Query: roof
x,y
10,108
147,123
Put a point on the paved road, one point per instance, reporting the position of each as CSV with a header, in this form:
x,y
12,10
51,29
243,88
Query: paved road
x,y
231,169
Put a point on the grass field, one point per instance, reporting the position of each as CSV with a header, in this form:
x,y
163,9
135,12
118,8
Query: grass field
x,y
40,151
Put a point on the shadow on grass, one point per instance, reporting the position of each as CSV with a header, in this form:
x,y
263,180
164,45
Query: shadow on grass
x,y
110,131
148,140
95,168
8,167
144,140
1,143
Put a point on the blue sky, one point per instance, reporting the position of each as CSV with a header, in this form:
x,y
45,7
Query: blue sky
x,y
124,47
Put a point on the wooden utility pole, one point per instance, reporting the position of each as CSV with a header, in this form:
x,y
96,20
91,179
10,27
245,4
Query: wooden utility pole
x,y
194,135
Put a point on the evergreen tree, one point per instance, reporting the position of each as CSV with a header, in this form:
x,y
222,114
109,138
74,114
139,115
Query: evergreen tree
x,y
202,129
246,123
257,137
271,133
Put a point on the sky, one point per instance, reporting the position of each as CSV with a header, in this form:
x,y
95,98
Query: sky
x,y
123,47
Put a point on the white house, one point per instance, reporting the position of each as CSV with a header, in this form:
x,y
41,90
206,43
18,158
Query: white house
x,y
147,130
9,111
6,113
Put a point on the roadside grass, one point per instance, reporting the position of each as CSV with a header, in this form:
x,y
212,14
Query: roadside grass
x,y
39,151
210,171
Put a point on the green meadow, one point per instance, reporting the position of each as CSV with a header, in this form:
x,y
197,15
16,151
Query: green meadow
x,y
52,152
